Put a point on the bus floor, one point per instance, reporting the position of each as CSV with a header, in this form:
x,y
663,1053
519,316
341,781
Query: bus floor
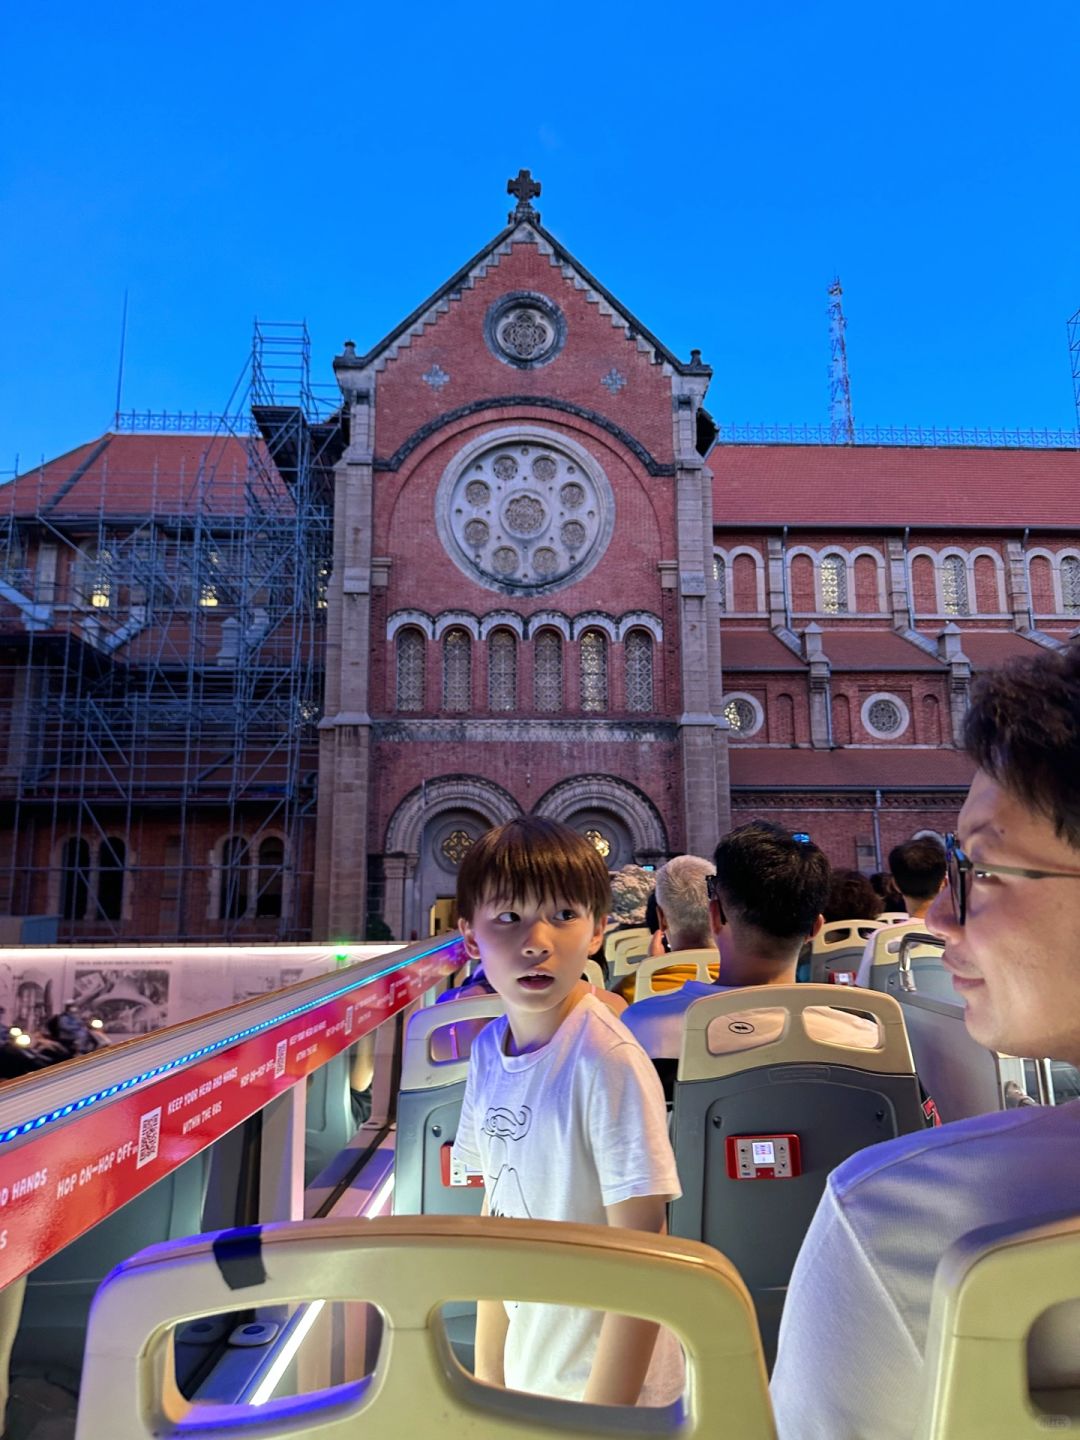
x,y
39,1410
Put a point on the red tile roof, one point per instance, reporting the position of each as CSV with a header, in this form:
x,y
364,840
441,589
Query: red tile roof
x,y
986,648
756,650
870,485
868,768
881,649
142,475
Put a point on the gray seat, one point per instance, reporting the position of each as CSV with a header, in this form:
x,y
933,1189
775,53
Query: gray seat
x,y
767,1077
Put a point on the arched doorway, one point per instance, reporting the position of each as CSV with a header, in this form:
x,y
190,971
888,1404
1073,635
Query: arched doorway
x,y
607,831
444,844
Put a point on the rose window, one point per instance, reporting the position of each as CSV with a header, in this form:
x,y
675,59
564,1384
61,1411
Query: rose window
x,y
740,715
525,329
599,841
884,717
521,515
455,846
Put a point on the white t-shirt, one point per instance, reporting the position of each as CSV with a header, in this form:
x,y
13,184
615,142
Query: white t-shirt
x,y
560,1133
853,1335
658,1023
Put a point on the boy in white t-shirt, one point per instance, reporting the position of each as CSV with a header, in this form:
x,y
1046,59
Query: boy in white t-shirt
x,y
563,1112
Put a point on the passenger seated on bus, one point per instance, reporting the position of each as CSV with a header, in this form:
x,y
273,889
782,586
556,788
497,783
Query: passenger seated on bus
x,y
853,1336
851,897
682,909
562,1112
891,899
918,869
765,901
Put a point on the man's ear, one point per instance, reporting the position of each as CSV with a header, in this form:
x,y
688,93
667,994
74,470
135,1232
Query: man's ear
x,y
815,929
472,949
717,918
661,917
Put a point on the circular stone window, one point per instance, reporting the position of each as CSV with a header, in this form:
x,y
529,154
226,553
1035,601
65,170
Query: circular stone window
x,y
524,329
885,716
524,511
743,714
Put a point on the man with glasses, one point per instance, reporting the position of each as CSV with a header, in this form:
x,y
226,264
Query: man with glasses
x,y
852,1341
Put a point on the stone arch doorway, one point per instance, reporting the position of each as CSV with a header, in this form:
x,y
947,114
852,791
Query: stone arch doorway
x,y
426,839
620,816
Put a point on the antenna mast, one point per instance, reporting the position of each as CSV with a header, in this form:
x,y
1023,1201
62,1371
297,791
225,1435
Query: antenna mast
x,y
841,420
1074,356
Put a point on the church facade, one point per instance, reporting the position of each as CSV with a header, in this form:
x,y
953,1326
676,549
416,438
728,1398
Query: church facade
x,y
547,585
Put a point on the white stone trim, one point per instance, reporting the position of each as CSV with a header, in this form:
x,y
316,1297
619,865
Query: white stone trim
x,y
905,716
550,620
754,702
418,619
641,620
502,620
937,558
449,618
849,556
604,792
729,557
595,620
1055,557
452,792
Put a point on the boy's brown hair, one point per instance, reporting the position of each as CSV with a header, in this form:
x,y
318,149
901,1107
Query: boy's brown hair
x,y
532,856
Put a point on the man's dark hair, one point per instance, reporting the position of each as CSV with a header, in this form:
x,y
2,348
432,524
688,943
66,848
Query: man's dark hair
x,y
535,857
1023,729
886,887
852,897
771,881
918,867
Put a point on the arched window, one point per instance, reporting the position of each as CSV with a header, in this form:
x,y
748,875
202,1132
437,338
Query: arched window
x,y
1041,582
93,577
834,596
719,570
744,589
923,586
234,878
548,672
502,670
1070,585
987,596
74,878
802,585
271,876
594,671
411,650
867,598
457,670
112,858
954,586
639,670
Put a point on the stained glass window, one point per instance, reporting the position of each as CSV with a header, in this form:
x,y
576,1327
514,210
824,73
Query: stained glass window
x,y
834,595
457,670
719,570
954,586
455,845
502,670
411,650
740,715
1070,585
639,670
548,672
884,717
599,840
594,686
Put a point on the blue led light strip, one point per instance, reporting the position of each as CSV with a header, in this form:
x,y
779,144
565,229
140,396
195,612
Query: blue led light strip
x,y
78,1105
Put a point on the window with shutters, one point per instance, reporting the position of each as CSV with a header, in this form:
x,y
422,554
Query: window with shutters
x,y
594,671
639,670
548,672
411,649
502,670
457,670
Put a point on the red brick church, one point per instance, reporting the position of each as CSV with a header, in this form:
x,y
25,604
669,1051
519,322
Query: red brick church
x,y
515,569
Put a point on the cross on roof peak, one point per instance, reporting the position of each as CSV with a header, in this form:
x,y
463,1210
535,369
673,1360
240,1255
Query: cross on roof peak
x,y
524,188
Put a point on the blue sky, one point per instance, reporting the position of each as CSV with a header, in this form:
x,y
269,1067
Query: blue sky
x,y
713,166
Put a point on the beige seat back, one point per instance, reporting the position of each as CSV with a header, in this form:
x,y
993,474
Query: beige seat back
x,y
696,960
420,1069
593,974
893,917
839,945
989,1290
883,948
624,947
408,1267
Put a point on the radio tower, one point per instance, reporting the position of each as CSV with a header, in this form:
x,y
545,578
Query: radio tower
x,y
1074,357
841,420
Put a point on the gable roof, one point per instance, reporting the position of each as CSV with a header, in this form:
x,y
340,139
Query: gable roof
x,y
139,475
524,230
873,486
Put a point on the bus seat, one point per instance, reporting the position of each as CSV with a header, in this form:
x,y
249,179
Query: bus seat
x,y
838,947
328,1115
623,948
593,974
52,1330
408,1266
825,1100
893,917
703,965
882,954
990,1337
429,1106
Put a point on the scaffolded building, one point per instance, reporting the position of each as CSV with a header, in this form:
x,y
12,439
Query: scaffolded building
x,y
162,603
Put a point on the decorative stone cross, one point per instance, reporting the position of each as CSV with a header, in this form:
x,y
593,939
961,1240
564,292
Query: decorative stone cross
x,y
524,189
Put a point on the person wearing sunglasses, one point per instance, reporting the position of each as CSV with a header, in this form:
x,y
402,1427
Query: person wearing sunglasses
x,y
852,1341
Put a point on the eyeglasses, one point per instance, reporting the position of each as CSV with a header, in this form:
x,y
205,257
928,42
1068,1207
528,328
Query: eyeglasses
x,y
711,887
962,871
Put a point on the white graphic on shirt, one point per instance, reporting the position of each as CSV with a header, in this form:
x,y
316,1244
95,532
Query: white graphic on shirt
x,y
506,1197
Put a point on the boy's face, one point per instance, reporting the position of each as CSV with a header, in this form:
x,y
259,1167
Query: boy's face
x,y
533,953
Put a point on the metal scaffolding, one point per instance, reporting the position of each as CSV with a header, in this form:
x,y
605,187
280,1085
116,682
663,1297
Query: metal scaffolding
x,y
841,419
162,601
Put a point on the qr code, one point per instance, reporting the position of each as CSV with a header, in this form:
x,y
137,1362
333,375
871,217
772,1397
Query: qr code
x,y
279,1059
149,1136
